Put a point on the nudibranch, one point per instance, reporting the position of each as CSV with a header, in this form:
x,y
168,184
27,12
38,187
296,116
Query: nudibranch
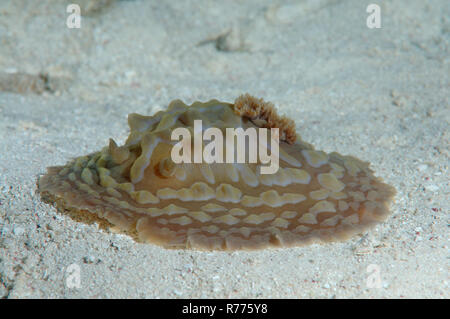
x,y
137,188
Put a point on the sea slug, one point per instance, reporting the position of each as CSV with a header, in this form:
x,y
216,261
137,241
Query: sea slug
x,y
139,189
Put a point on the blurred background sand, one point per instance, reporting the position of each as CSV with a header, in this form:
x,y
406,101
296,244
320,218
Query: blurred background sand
x,y
381,95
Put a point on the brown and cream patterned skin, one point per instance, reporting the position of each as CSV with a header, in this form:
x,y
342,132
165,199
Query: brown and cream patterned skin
x,y
314,196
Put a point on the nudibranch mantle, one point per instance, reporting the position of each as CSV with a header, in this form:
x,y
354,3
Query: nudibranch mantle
x,y
314,197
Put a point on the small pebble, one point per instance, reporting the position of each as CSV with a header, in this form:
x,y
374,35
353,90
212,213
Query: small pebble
x,y
90,260
188,267
177,292
432,188
422,167
18,231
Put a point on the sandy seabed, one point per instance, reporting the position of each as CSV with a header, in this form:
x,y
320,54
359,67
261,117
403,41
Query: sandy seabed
x,y
381,95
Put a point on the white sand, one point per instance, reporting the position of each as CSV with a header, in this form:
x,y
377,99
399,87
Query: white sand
x,y
381,95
